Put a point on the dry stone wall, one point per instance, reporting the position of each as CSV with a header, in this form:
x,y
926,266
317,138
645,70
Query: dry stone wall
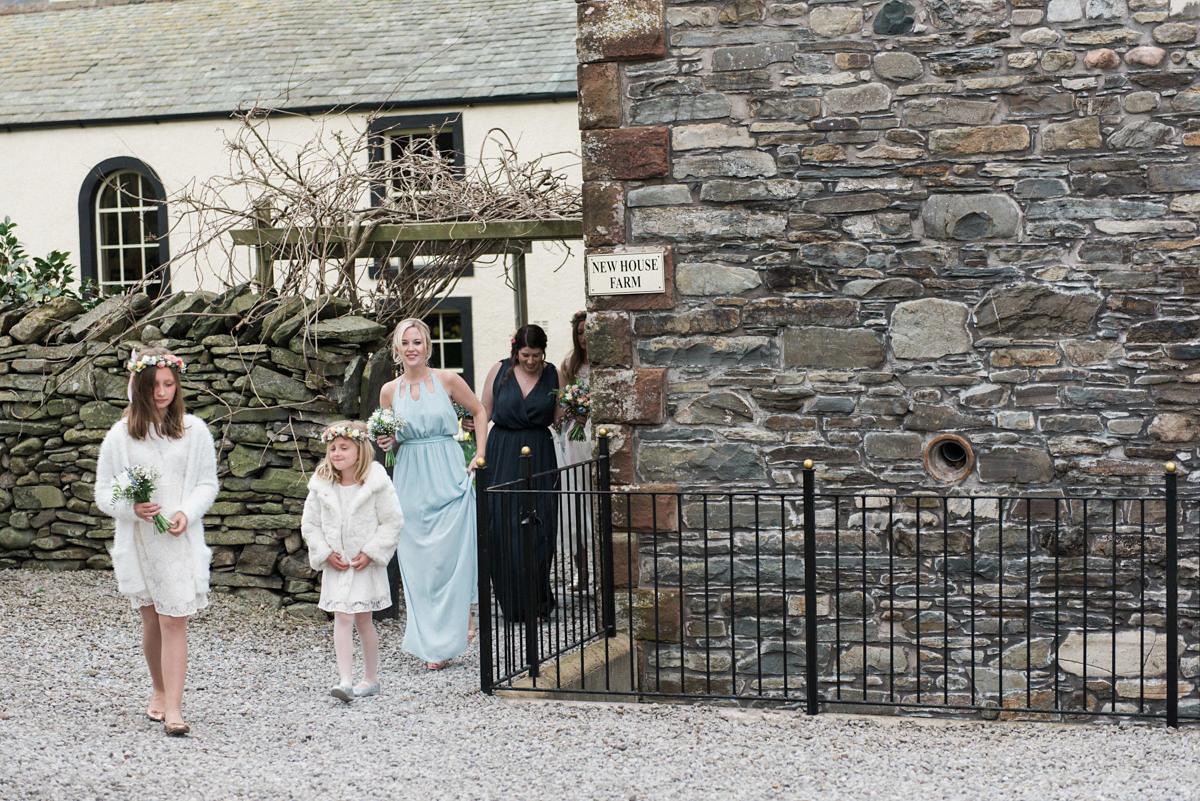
x,y
265,389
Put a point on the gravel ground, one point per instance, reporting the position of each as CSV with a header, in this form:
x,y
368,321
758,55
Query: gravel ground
x,y
73,690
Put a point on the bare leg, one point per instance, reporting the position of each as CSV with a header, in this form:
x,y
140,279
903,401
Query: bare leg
x,y
369,639
343,646
173,631
152,648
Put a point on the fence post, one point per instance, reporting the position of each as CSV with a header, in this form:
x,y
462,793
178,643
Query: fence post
x,y
608,607
529,566
1172,599
483,558
810,590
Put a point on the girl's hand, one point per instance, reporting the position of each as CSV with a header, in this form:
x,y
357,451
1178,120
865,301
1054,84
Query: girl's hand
x,y
178,524
385,443
146,510
468,423
360,561
336,561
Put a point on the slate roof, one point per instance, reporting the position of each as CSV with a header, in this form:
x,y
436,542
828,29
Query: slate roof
x,y
186,58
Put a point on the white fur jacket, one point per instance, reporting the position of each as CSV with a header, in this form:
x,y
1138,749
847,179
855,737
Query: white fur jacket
x,y
370,524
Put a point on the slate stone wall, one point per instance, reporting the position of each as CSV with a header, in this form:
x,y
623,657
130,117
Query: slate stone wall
x,y
890,221
265,388
897,233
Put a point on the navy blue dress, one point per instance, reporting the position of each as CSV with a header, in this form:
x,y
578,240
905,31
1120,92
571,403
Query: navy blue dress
x,y
521,581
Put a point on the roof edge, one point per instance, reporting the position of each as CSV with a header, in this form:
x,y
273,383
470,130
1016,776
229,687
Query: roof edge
x,y
326,108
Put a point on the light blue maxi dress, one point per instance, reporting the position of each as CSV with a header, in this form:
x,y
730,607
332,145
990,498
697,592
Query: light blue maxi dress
x,y
437,547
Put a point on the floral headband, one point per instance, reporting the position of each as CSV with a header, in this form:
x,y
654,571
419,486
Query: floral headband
x,y
577,316
349,432
161,360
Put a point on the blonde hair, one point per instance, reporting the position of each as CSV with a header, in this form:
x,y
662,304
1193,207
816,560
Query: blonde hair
x,y
404,325
325,468
143,414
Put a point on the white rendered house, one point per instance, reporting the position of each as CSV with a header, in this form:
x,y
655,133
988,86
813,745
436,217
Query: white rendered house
x,y
138,95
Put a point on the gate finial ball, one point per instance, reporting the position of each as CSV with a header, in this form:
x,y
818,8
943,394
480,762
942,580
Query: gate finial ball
x,y
1171,467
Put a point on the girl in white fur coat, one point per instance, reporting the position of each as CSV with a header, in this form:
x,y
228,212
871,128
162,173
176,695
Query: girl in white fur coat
x,y
164,573
351,523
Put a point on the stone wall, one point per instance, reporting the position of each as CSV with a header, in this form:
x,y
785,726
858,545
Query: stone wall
x,y
932,246
265,388
889,221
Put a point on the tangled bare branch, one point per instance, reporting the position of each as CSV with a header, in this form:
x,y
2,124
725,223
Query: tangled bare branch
x,y
325,198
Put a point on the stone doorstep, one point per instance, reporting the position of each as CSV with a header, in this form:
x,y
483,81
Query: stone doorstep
x,y
612,655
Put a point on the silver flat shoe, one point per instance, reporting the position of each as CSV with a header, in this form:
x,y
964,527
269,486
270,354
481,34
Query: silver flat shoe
x,y
342,692
362,690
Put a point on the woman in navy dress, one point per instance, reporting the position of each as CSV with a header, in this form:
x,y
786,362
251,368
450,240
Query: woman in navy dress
x,y
520,400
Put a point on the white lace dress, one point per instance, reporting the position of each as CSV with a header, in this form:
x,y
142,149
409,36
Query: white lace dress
x,y
152,567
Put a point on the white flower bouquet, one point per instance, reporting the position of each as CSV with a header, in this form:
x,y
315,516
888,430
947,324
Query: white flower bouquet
x,y
136,484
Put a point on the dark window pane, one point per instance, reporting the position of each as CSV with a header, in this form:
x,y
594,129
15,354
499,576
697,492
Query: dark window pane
x,y
452,326
131,228
109,235
110,266
150,257
434,321
108,197
130,186
150,223
452,355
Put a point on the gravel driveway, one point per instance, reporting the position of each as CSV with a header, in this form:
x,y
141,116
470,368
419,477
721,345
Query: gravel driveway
x,y
73,688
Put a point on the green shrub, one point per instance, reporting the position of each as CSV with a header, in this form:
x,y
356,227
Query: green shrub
x,y
24,279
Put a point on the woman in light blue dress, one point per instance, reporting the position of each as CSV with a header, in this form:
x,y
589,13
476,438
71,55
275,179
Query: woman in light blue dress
x,y
437,547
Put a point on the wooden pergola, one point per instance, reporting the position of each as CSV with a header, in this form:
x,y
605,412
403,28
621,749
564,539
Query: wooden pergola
x,y
506,237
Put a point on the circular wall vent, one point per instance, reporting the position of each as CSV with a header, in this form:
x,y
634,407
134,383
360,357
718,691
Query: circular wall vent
x,y
949,458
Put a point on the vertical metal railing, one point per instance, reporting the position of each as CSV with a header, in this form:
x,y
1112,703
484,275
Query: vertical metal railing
x,y
483,559
608,608
1172,522
811,689
1020,608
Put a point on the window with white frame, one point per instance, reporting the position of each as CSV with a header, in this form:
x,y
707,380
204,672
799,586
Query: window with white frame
x,y
123,227
407,142
450,337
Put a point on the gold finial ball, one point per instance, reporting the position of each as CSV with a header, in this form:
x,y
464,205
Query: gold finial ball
x,y
808,464
603,432
525,450
1171,467
479,462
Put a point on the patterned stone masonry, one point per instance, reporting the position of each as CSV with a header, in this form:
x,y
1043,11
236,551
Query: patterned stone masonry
x,y
265,390
893,221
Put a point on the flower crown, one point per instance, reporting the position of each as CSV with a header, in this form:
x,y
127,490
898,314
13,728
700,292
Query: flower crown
x,y
577,316
160,360
349,432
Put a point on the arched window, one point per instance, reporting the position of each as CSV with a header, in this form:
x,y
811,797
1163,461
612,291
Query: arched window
x,y
123,227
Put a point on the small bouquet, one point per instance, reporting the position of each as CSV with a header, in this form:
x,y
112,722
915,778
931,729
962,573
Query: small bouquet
x,y
135,484
465,438
577,400
383,422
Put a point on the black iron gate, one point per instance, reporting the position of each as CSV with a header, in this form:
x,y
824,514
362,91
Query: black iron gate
x,y
1038,606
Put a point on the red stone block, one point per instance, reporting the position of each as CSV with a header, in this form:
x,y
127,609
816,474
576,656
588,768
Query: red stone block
x,y
647,508
625,154
603,213
599,96
620,30
631,397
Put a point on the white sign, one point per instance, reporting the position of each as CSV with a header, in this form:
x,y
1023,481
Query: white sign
x,y
626,273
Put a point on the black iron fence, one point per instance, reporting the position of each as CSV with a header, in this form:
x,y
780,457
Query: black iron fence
x,y
1056,606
